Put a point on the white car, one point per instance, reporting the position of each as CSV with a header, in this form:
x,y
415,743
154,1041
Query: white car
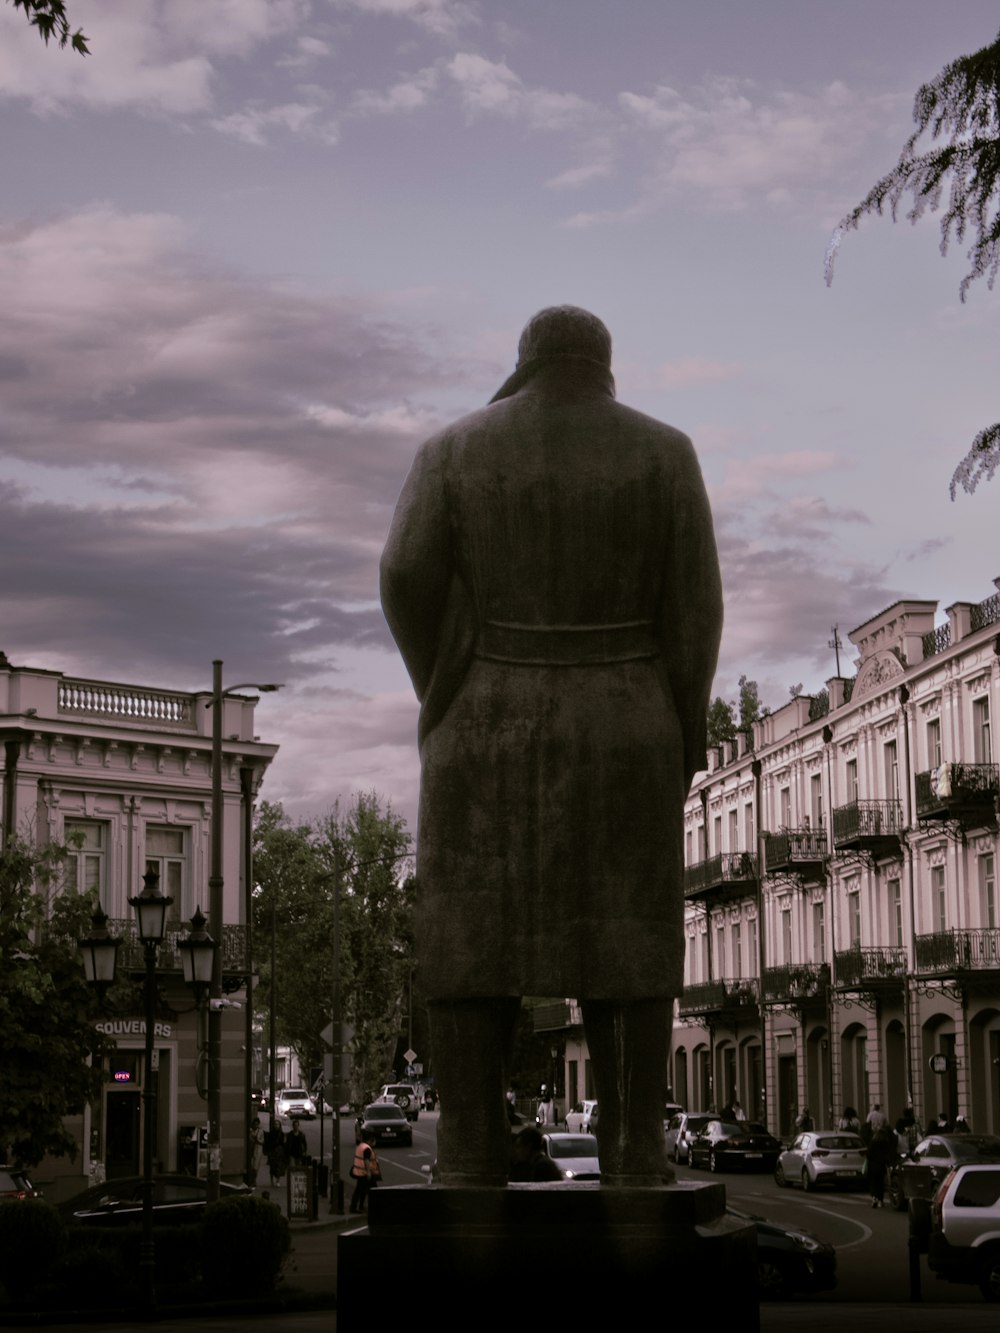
x,y
578,1120
405,1097
574,1154
295,1104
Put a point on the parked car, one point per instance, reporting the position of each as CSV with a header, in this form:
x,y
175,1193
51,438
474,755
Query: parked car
x,y
789,1260
176,1199
404,1095
722,1144
578,1120
15,1184
574,1154
965,1227
386,1123
919,1175
822,1157
681,1129
295,1103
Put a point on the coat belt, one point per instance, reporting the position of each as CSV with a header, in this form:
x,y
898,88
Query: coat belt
x,y
566,645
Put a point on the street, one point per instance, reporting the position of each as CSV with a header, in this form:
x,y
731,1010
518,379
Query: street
x,y
871,1244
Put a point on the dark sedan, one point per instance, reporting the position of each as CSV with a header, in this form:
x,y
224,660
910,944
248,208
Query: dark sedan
x,y
919,1175
176,1199
789,1260
384,1122
724,1144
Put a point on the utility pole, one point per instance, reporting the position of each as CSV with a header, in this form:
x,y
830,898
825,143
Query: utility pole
x,y
836,643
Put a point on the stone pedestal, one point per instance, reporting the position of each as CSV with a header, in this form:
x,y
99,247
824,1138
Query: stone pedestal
x,y
559,1252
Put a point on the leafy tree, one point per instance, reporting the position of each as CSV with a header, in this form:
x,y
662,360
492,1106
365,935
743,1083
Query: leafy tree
x,y
49,17
961,106
722,714
50,1054
751,709
721,722
296,868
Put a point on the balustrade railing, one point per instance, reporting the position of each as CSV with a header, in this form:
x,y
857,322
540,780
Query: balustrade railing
x,y
805,845
125,703
956,785
728,868
131,957
867,819
716,996
986,613
796,981
855,967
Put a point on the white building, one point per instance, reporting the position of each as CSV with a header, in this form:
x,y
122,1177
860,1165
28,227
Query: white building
x,y
842,915
122,774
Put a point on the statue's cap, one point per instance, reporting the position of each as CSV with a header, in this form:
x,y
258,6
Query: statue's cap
x,y
558,333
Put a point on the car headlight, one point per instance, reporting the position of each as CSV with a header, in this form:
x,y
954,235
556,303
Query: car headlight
x,y
568,1175
803,1240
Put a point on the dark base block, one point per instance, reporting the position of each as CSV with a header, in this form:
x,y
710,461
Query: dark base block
x,y
547,1251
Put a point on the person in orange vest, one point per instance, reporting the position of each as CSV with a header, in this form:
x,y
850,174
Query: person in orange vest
x,y
365,1172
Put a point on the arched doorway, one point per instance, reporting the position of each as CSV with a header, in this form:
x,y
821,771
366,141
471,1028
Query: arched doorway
x,y
854,1067
680,1083
938,1038
818,1091
984,1069
895,1070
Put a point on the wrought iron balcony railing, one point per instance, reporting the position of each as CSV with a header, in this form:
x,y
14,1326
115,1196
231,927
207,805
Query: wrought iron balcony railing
x,y
862,968
730,869
798,850
796,981
711,997
958,791
131,958
867,821
959,951
936,640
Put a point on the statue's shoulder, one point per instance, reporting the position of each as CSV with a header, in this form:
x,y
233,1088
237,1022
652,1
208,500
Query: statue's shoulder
x,y
651,427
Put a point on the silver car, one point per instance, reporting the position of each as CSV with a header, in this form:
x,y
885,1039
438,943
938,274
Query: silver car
x,y
574,1154
822,1157
681,1129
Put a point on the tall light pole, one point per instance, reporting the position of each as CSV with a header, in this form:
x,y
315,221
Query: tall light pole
x,y
216,919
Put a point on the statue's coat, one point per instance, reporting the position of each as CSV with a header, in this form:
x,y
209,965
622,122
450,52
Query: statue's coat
x,y
550,856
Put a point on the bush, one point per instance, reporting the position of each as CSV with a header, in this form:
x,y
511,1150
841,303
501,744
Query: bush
x,y
245,1242
32,1241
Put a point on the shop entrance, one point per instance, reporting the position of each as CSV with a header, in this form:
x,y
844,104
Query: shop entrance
x,y
122,1123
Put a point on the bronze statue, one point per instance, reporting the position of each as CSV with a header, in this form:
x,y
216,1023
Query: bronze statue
x,y
552,582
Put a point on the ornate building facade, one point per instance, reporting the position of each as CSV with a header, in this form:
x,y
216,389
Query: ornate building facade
x,y
121,775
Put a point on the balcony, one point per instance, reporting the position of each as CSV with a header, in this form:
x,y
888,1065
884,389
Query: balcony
x,y
870,969
796,982
801,852
868,826
132,959
556,1016
727,998
731,875
953,951
963,793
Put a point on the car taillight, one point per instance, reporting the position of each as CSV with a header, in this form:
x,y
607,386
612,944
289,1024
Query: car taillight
x,y
937,1203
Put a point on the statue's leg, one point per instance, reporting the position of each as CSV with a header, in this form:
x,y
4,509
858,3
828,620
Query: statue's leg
x,y
629,1044
473,1043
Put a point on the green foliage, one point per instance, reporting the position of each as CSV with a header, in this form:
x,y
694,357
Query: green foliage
x,y
295,869
961,107
32,1241
49,17
722,714
245,1242
721,722
50,1054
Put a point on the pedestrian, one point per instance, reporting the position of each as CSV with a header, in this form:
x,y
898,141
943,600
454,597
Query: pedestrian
x,y
738,1110
256,1137
805,1121
881,1154
531,1163
275,1151
849,1121
296,1146
365,1172
876,1119
942,1125
961,1125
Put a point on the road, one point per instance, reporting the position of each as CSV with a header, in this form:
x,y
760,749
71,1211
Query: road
x,y
871,1244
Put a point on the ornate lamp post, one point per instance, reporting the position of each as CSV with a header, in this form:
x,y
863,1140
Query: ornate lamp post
x,y
216,885
99,950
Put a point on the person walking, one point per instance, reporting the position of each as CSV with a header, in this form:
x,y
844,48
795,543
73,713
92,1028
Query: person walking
x,y
276,1152
296,1146
256,1151
881,1154
365,1172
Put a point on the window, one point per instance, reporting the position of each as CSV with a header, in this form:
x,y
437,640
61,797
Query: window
x,y
934,743
734,830
717,836
737,949
86,842
895,897
688,855
786,934
982,748
851,770
891,759
752,951
165,854
938,904
988,889
785,806
816,800
720,952
749,836
703,950
819,933
854,913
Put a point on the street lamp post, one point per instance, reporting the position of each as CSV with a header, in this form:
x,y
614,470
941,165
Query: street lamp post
x,y
216,885
100,950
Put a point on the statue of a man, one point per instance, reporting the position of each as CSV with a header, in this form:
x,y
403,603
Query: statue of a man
x,y
552,582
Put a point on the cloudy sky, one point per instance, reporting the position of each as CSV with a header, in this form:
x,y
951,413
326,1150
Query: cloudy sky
x,y
253,251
